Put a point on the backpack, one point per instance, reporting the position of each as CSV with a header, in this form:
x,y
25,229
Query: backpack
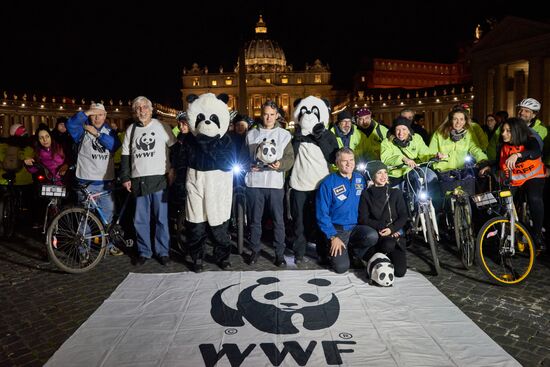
x,y
12,159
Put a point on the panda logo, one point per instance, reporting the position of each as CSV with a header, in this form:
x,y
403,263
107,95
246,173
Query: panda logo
x,y
268,309
96,145
146,141
266,152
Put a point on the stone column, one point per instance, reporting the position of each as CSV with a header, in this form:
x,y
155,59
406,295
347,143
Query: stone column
x,y
535,84
500,87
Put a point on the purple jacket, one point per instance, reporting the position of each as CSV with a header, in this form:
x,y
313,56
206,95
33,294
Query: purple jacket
x,y
52,163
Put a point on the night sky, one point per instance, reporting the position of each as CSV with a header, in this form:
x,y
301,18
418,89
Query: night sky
x,y
100,50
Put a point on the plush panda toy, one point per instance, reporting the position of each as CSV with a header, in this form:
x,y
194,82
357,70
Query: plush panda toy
x,y
209,178
266,152
380,270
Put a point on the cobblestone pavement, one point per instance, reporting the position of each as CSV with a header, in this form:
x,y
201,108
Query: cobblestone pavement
x,y
41,307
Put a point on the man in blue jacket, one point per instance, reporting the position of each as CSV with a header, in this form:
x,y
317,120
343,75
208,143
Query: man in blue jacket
x,y
337,208
97,143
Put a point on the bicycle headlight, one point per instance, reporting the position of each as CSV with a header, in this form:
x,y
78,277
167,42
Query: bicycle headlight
x,y
361,167
468,159
423,195
236,168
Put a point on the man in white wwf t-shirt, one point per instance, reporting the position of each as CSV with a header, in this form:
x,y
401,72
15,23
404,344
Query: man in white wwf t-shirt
x,y
146,172
97,143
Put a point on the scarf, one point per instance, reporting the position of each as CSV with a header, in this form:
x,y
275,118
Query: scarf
x,y
457,135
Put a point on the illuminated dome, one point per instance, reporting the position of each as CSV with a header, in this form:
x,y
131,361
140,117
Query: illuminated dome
x,y
263,54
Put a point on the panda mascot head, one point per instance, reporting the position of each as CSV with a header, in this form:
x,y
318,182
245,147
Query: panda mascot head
x,y
310,112
266,152
380,270
208,115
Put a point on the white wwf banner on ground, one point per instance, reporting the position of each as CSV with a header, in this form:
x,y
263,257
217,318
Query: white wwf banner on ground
x,y
282,318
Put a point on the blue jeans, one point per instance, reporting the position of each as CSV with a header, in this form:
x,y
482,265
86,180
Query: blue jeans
x,y
105,202
157,203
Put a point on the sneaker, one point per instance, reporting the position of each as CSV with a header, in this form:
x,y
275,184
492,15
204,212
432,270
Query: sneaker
x,y
114,251
164,260
141,260
280,261
253,259
198,266
224,264
298,260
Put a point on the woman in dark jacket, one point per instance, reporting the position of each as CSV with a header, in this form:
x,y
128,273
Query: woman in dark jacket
x,y
383,210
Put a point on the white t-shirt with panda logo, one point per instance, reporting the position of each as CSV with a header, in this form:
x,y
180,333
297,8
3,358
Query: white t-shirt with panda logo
x,y
94,161
150,154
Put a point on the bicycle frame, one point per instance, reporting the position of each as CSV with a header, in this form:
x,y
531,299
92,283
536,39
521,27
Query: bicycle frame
x,y
421,196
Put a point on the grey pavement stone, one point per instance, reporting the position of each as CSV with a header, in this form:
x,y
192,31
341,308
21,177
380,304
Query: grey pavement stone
x,y
42,307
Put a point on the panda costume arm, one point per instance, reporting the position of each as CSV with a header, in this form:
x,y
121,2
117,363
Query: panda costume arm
x,y
288,158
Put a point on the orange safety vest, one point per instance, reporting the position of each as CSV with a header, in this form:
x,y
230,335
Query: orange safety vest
x,y
526,170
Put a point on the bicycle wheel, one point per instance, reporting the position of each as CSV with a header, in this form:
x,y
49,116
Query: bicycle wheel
x,y
464,235
7,216
430,234
76,240
503,262
240,225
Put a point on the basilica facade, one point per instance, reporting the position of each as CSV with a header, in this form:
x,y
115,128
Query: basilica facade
x,y
267,76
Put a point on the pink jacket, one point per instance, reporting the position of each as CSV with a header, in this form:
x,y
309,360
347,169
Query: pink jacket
x,y
51,161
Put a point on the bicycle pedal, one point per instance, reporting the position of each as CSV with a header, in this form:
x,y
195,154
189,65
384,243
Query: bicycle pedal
x,y
129,243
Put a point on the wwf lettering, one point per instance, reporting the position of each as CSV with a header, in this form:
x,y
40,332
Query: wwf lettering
x,y
331,349
145,154
101,157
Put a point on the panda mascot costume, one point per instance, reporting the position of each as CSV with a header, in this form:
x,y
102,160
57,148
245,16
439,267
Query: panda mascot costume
x,y
209,178
315,150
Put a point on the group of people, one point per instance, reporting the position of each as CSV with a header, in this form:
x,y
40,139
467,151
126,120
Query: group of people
x,y
352,220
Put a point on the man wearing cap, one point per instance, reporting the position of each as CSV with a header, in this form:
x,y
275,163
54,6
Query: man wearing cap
x,y
241,124
179,157
337,208
374,132
97,143
348,136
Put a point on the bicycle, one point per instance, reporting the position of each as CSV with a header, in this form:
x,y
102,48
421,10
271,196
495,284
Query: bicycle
x,y
504,247
420,205
238,209
77,237
10,205
457,193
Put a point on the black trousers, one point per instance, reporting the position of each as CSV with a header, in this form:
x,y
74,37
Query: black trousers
x,y
196,240
258,199
396,251
302,208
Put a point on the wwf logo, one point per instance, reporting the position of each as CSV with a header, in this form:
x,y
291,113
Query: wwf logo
x,y
146,141
268,309
96,145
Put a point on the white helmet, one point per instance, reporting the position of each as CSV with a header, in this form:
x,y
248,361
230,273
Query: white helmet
x,y
380,270
531,104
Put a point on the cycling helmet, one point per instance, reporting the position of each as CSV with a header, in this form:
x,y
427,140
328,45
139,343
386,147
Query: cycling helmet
x,y
181,115
531,104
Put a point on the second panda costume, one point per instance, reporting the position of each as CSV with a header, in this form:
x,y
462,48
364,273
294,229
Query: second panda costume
x,y
209,178
315,150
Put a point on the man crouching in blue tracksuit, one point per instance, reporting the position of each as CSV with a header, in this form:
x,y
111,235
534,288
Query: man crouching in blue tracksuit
x,y
337,208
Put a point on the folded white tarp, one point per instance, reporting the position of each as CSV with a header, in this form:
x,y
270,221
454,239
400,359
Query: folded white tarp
x,y
280,318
